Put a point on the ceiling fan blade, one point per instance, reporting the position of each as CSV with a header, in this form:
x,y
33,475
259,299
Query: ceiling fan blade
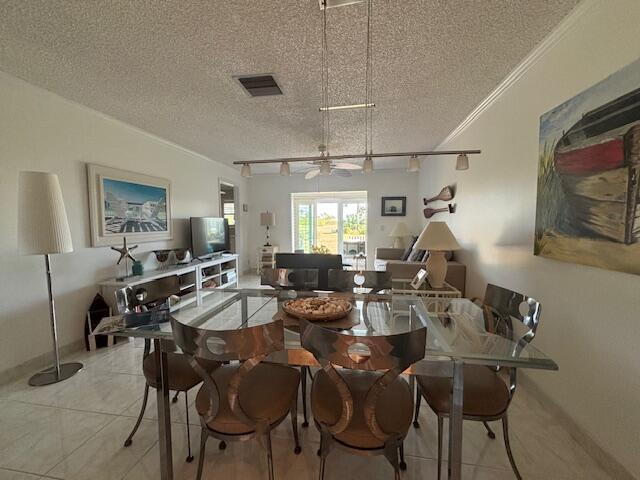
x,y
341,172
311,173
348,166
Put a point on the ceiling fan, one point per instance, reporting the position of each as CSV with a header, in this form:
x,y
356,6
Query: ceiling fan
x,y
328,167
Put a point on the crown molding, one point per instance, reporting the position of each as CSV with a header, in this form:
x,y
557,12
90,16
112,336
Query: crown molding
x,y
529,61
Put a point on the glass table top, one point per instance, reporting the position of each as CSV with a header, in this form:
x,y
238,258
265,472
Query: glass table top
x,y
455,327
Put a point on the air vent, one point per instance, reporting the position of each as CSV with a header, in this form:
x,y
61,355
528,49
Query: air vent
x,y
260,85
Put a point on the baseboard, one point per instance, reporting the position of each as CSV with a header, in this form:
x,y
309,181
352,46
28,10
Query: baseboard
x,y
606,461
38,363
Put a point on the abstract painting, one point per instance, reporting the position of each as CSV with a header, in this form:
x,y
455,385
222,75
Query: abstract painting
x,y
128,204
588,177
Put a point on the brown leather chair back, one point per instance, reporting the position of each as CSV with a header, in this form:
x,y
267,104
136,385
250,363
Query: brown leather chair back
x,y
391,353
249,345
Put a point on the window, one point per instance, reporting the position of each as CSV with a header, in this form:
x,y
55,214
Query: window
x,y
331,222
229,212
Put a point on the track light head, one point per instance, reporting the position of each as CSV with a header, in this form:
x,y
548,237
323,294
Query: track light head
x,y
462,163
414,164
246,170
285,171
367,166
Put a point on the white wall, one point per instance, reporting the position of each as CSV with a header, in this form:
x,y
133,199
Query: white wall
x,y
41,131
590,322
273,193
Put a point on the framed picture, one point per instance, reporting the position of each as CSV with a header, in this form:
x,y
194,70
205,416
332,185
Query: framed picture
x,y
588,190
394,206
419,279
123,203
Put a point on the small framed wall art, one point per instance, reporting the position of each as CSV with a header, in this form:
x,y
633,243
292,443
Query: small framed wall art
x,y
127,203
394,206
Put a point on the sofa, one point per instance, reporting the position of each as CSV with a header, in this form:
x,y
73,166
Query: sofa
x,y
389,260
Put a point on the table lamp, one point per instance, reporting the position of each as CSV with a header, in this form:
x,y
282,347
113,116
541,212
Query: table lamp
x,y
267,219
437,239
399,231
43,229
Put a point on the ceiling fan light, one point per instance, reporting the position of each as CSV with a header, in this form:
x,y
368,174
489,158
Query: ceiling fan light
x,y
246,170
414,164
285,171
367,166
325,168
462,163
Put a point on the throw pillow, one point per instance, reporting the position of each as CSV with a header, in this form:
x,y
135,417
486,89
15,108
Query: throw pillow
x,y
407,252
416,255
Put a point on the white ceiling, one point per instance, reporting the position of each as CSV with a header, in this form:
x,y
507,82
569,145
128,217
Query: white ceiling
x,y
167,67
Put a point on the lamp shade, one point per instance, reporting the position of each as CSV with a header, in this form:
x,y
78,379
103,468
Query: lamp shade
x,y
43,227
267,219
437,236
399,230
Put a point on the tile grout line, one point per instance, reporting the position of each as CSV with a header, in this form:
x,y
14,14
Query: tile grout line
x,y
80,446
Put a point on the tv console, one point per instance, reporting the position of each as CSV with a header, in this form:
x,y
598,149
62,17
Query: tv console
x,y
220,272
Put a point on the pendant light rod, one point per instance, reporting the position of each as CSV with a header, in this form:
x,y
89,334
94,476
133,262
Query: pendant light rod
x,y
358,155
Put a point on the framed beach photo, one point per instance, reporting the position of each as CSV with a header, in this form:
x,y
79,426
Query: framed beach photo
x,y
123,203
394,206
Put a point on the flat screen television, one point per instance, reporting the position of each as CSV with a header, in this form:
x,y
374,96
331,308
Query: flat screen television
x,y
209,235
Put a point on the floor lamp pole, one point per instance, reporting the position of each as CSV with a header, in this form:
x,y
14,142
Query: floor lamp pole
x,y
58,372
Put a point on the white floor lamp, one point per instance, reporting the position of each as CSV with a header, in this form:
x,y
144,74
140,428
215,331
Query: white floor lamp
x,y
43,229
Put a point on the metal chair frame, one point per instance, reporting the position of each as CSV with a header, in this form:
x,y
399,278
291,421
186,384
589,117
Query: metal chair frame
x,y
392,354
128,300
501,307
344,280
250,346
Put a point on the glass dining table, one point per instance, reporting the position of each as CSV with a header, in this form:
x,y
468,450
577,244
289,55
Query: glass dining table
x,y
456,335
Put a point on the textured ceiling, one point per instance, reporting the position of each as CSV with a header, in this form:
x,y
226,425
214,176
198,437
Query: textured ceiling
x,y
167,66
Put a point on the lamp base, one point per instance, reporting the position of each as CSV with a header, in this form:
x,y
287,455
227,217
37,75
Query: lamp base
x,y
398,242
49,376
436,269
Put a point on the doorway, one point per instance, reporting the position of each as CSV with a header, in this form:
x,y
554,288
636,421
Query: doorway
x,y
228,209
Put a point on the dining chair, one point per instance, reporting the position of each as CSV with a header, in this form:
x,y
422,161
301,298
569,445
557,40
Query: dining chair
x,y
244,400
365,407
299,279
182,377
487,391
347,280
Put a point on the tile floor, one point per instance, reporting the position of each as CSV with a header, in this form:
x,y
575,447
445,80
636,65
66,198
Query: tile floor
x,y
75,430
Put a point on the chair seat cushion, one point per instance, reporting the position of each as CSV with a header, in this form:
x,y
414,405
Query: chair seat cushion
x,y
181,376
485,393
266,393
393,410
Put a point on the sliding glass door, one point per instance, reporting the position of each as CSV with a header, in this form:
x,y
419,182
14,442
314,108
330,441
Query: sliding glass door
x,y
330,222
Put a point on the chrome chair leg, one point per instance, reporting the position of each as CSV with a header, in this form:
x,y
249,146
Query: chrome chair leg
x,y
305,370
403,464
323,451
267,444
391,448
440,430
416,424
129,439
203,445
186,406
507,444
294,425
490,433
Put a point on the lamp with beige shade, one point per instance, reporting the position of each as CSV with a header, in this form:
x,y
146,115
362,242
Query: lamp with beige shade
x,y
437,239
267,219
43,229
398,232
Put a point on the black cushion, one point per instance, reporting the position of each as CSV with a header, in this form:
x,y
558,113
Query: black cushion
x,y
416,255
407,252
